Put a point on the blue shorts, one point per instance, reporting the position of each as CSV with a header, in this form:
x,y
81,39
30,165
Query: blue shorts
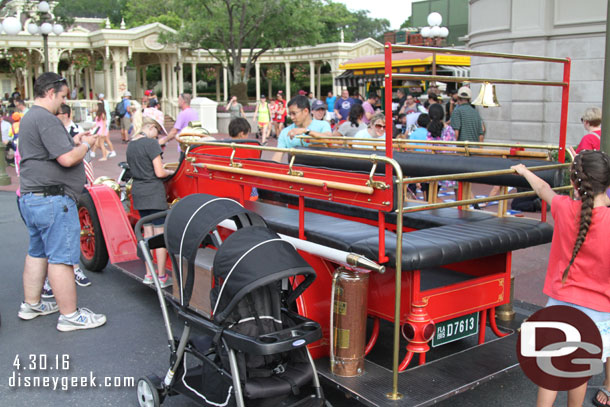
x,y
53,226
146,212
601,319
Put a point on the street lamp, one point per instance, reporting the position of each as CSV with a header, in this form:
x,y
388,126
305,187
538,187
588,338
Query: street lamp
x,y
41,23
434,34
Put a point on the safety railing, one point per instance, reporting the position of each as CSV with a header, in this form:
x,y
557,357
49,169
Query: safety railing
x,y
467,148
389,75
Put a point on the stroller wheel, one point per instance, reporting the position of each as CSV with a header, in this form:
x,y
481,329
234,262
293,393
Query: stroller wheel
x,y
148,395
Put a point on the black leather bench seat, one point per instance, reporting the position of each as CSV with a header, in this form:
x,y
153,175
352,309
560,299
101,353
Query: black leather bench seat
x,y
426,248
412,220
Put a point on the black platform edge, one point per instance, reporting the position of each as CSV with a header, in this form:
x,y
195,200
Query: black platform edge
x,y
432,382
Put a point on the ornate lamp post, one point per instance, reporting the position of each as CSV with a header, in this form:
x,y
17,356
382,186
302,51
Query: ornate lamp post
x,y
45,25
42,22
434,35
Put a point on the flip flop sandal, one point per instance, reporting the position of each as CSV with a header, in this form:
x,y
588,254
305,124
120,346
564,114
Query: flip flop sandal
x,y
597,403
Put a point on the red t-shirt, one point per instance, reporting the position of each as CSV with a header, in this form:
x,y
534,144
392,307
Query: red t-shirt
x,y
279,106
590,141
588,282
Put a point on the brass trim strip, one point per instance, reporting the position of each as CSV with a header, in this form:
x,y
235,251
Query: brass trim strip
x,y
290,178
442,78
478,174
477,200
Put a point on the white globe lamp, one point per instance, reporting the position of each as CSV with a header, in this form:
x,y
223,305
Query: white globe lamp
x,y
11,26
33,28
46,28
435,31
435,19
444,32
425,32
43,7
58,29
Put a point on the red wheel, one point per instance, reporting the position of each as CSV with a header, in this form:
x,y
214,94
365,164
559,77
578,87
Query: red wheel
x,y
93,252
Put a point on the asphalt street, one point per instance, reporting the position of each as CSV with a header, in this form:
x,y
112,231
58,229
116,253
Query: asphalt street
x,y
131,344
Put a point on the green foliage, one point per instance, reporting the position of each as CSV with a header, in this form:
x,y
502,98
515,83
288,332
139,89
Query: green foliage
x,y
236,26
335,16
140,12
407,23
18,60
366,27
68,9
357,25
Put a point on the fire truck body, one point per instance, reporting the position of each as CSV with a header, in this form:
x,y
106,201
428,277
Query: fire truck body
x,y
443,268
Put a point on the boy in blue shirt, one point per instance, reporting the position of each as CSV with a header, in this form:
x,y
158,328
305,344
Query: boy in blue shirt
x,y
303,124
421,132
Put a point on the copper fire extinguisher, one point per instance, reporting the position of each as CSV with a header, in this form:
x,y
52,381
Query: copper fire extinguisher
x,y
348,322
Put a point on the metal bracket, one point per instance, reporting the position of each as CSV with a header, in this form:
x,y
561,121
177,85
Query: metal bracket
x,y
234,164
294,172
373,183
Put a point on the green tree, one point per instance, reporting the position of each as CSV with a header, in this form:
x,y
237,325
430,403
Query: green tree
x,y
237,30
334,17
140,12
366,27
88,8
407,23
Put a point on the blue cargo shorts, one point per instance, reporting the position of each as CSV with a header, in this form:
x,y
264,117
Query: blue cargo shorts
x,y
53,226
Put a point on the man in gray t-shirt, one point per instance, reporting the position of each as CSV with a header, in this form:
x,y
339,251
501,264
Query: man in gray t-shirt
x,y
51,179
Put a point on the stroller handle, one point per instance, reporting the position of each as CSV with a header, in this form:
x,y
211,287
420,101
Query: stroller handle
x,y
147,219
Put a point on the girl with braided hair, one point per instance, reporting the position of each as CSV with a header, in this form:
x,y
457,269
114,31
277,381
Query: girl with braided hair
x,y
578,273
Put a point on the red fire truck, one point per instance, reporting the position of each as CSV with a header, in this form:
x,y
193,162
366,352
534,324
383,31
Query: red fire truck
x,y
395,277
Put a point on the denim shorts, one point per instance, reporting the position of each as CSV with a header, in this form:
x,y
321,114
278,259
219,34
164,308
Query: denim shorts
x,y
53,226
155,222
601,319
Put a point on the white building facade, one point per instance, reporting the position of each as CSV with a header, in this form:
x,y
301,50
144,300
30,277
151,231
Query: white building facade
x,y
552,28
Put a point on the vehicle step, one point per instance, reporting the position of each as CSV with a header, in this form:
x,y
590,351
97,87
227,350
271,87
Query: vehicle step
x,y
432,382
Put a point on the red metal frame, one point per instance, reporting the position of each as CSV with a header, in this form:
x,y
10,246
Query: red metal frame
x,y
118,233
488,288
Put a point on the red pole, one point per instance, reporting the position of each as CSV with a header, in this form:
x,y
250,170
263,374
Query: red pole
x,y
563,123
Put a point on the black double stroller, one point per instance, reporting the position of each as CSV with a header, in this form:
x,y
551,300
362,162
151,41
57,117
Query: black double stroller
x,y
252,350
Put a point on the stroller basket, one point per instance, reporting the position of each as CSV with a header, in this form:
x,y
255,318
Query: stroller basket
x,y
254,348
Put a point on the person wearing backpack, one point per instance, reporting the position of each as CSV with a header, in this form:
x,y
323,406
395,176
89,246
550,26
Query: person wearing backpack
x,y
122,113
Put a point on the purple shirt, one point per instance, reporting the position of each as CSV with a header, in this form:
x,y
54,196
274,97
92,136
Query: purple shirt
x,y
184,117
368,108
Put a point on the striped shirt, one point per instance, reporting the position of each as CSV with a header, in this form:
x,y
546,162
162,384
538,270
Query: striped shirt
x,y
467,121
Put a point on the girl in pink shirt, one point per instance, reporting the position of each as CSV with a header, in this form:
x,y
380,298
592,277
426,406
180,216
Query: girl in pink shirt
x,y
578,274
103,139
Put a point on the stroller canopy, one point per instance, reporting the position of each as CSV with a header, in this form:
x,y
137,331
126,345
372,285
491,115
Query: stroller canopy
x,y
191,220
254,257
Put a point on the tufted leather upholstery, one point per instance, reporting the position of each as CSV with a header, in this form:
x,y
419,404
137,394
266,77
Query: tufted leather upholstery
x,y
413,220
425,248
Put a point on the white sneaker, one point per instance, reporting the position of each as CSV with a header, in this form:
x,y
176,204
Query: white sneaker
x,y
80,278
29,311
111,154
83,318
92,154
47,292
